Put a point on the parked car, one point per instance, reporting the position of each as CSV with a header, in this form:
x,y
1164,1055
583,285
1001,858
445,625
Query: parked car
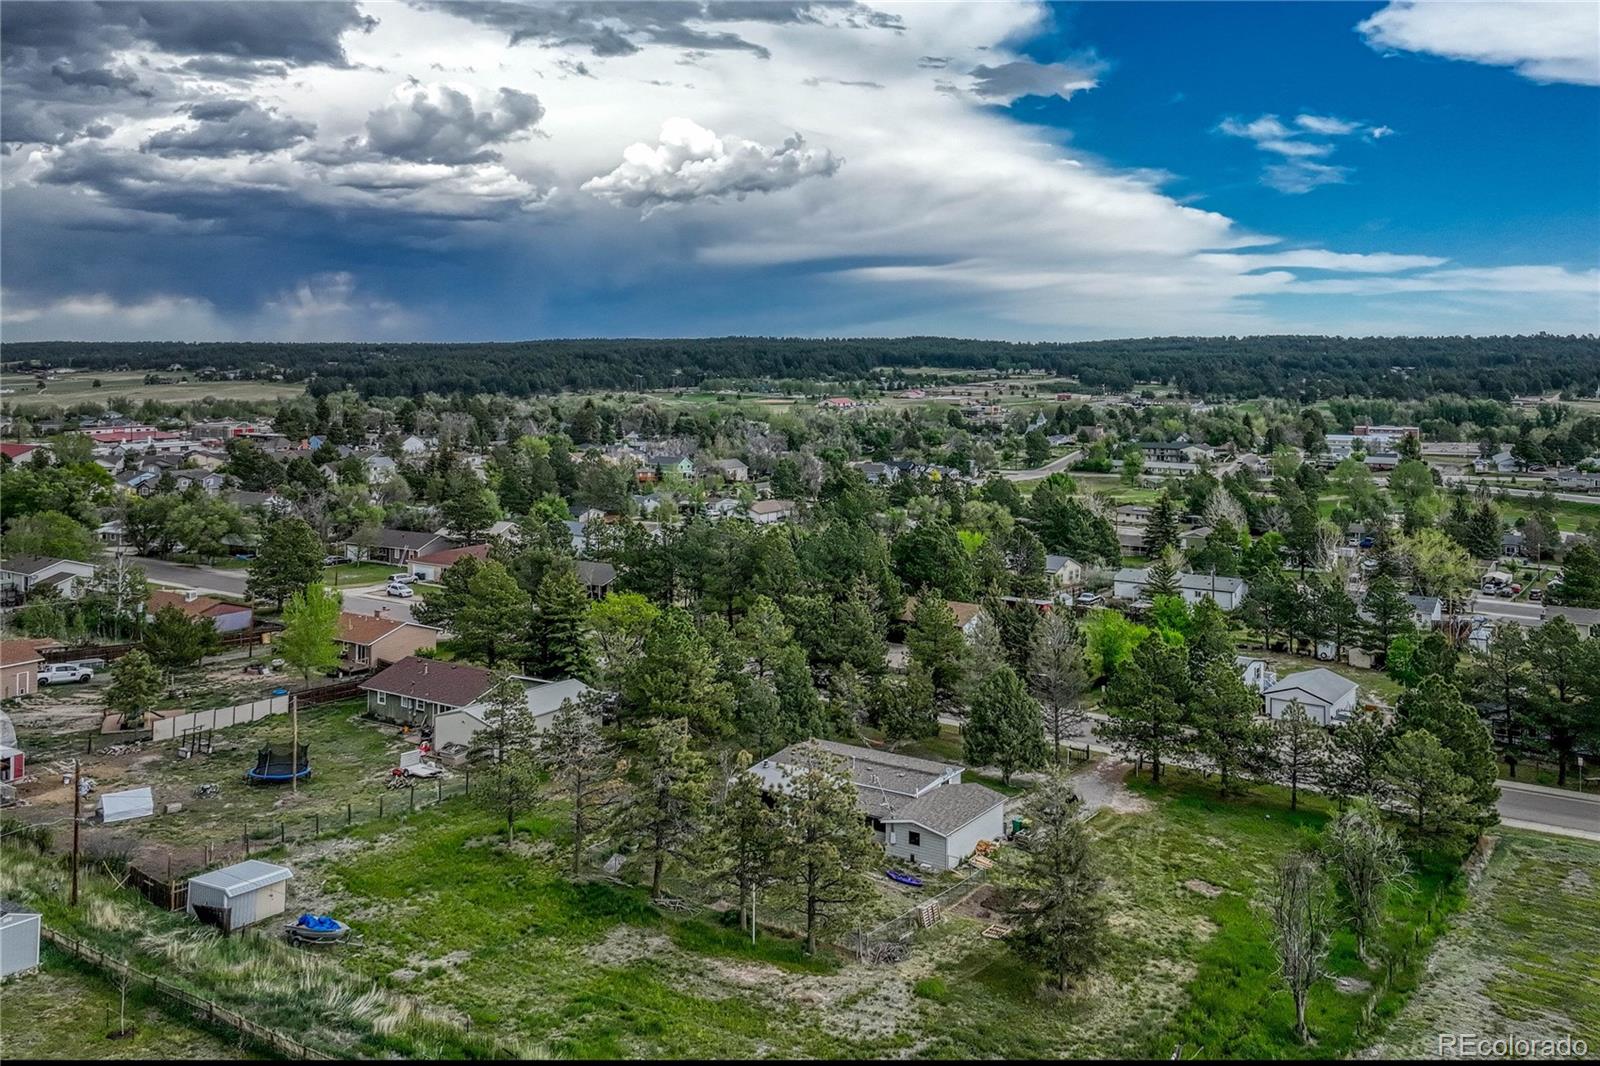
x,y
398,590
1089,599
1536,595
1505,593
62,673
333,560
1515,588
402,579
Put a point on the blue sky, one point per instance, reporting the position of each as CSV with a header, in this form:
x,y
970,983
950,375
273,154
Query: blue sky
x,y
343,170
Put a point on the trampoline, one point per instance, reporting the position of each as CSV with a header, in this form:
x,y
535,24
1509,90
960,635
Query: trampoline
x,y
275,764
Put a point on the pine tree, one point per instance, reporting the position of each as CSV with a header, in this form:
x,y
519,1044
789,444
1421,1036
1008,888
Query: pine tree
x,y
135,688
742,840
175,641
489,625
800,710
508,723
1055,900
826,854
1161,580
1298,744
1388,613
445,604
289,559
1437,707
904,709
937,645
580,763
1057,675
663,814
1004,728
559,644
1145,702
677,677
1420,773
1352,762
1161,532
1227,729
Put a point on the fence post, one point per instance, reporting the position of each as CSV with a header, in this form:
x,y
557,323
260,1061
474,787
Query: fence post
x,y
438,790
316,821
412,791
247,840
380,806
347,813
280,831
468,770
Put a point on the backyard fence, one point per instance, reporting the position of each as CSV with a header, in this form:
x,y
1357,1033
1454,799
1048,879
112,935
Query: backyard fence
x,y
219,717
209,1010
886,941
111,652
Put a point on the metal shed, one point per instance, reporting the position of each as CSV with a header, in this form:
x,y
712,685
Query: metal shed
x,y
125,806
239,895
19,939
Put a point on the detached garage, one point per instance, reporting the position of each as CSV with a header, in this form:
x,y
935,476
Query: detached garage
x,y
239,895
19,939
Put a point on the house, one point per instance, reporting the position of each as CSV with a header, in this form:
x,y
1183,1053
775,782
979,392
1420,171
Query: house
x,y
18,452
1228,592
732,470
771,512
878,473
1426,611
596,577
226,617
19,938
24,574
682,465
265,501
966,614
19,667
1255,672
1064,573
920,811
413,445
1501,462
1328,698
1190,539
545,698
723,507
239,895
380,468
431,567
210,483
414,690
372,640
1586,620
397,547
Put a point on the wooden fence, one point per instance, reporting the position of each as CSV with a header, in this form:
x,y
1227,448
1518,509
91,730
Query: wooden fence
x,y
208,1010
112,652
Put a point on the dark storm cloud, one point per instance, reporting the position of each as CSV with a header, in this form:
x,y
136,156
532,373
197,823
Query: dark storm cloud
x,y
1024,77
230,127
621,27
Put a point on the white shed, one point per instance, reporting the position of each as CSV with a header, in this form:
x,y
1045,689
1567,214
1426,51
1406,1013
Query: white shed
x,y
1327,697
19,939
239,895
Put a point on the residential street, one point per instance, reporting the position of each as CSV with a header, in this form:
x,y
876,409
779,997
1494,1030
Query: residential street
x,y
363,599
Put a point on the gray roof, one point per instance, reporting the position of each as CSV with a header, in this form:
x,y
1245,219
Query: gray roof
x,y
8,907
596,575
1196,582
1322,683
243,877
1053,563
871,770
949,807
29,564
413,539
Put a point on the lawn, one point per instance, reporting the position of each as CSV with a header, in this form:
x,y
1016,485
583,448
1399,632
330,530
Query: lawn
x,y
1522,958
125,389
1373,682
67,1010
357,574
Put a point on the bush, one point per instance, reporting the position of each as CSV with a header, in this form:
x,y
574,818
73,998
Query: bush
x,y
932,988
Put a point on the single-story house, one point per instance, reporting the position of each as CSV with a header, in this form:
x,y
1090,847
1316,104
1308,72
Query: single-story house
x,y
1586,620
371,640
414,690
770,512
431,567
18,452
239,895
920,810
19,938
413,445
682,465
19,667
459,726
1426,611
596,577
1064,573
227,617
730,469
966,614
1256,672
1328,698
1229,592
397,547
26,573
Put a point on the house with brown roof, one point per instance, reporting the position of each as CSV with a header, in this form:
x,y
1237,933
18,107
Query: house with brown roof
x,y
19,666
966,614
431,567
413,690
378,639
227,617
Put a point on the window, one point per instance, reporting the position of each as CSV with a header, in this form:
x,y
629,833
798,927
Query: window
x,y
405,703
913,838
877,825
383,698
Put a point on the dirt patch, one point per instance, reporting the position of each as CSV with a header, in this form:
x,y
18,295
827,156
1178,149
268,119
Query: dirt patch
x,y
1577,881
1352,986
1101,786
625,945
1204,888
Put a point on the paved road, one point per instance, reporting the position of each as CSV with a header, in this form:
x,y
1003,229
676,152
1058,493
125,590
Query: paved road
x,y
1054,466
362,599
1550,810
1564,497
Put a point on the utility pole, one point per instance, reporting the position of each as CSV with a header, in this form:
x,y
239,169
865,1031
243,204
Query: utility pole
x,y
77,803
294,743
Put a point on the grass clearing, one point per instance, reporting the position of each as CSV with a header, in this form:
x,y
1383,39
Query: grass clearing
x,y
355,574
1522,958
1373,682
122,390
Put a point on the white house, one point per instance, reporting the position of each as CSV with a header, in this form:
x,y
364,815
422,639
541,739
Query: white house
x,y
239,895
19,939
460,725
1064,573
1256,672
1229,592
413,445
771,512
1328,698
920,811
26,573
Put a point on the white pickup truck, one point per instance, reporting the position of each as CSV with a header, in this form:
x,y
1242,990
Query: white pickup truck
x,y
61,673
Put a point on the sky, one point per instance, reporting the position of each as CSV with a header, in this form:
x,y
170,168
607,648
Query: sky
x,y
433,170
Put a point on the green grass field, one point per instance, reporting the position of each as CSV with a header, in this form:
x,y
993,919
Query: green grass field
x,y
357,574
127,388
1523,957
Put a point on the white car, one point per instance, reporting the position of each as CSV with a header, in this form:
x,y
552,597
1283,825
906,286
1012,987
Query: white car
x,y
1089,599
398,590
402,579
62,673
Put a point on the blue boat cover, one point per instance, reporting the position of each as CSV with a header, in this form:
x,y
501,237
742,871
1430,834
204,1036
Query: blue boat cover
x,y
320,923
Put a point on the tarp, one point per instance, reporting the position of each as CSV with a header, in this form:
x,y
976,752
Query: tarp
x,y
123,806
319,922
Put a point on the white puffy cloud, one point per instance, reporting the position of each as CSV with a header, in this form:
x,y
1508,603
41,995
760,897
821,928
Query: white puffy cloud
x,y
1298,172
439,123
690,163
1544,42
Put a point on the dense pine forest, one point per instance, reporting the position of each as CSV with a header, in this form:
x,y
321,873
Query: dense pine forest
x,y
1304,368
